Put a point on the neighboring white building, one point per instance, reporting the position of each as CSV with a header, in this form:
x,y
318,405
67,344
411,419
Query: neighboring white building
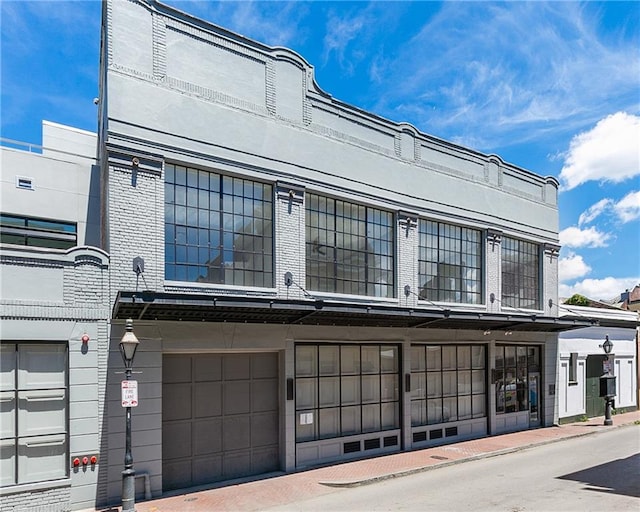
x,y
53,322
582,361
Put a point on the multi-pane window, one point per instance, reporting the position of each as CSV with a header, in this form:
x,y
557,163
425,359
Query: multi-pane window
x,y
349,248
513,364
520,274
343,390
33,416
450,263
218,229
34,232
448,383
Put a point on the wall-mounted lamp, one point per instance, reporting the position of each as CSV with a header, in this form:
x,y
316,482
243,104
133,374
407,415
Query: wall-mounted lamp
x,y
607,346
85,338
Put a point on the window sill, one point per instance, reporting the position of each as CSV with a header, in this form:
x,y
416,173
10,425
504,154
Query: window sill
x,y
34,486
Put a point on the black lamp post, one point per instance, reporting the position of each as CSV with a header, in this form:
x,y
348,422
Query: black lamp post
x,y
128,346
607,383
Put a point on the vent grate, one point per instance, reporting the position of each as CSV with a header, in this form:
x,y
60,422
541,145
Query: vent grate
x,y
451,431
351,447
419,436
371,444
435,434
390,441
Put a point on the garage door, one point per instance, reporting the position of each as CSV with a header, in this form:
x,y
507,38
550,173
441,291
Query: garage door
x,y
219,417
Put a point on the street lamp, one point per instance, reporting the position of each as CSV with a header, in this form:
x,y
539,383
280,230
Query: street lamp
x,y
607,382
128,345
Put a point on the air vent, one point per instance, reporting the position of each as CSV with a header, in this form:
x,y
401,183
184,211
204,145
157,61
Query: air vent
x,y
372,444
390,441
418,437
451,431
24,182
352,447
435,434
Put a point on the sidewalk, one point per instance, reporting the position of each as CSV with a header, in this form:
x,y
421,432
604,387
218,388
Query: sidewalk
x,y
281,489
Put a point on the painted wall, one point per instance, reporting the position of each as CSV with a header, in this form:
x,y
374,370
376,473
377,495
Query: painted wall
x,y
49,295
586,342
64,177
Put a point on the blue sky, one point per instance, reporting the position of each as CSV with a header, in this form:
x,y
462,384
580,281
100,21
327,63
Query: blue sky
x,y
551,87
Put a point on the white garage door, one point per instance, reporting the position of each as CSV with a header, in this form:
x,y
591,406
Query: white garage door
x,y
219,417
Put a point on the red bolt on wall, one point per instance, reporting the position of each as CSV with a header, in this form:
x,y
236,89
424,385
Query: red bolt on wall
x,y
94,459
85,460
76,462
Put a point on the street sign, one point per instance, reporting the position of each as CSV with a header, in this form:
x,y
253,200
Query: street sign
x,y
129,393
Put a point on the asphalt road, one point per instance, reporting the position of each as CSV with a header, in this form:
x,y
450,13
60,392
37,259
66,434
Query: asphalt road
x,y
592,473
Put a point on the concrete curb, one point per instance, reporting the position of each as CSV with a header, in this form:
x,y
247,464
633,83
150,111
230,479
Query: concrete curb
x,y
437,465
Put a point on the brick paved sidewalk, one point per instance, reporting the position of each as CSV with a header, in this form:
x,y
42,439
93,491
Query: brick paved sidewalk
x,y
280,488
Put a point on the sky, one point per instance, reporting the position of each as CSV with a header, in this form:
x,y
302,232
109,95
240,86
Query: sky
x,y
550,87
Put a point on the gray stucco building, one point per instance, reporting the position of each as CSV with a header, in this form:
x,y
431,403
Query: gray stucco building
x,y
312,282
319,283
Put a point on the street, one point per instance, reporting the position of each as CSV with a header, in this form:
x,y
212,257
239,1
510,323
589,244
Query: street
x,y
592,473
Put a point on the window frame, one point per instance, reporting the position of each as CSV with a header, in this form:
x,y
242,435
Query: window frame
x,y
442,251
515,291
354,400
333,227
526,361
573,368
424,371
37,232
214,223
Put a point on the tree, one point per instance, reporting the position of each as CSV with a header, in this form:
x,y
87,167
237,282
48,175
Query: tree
x,y
577,300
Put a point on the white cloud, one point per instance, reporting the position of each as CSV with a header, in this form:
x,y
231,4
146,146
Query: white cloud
x,y
594,211
536,88
608,152
572,267
628,208
604,289
590,237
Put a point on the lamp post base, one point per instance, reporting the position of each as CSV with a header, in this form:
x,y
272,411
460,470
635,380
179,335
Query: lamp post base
x,y
607,413
129,490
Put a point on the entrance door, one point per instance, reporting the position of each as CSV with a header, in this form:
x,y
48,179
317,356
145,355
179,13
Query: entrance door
x,y
219,417
534,399
594,404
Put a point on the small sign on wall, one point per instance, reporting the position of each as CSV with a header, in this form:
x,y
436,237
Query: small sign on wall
x,y
129,393
306,418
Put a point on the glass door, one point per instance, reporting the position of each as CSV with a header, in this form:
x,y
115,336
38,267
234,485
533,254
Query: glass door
x,y
534,399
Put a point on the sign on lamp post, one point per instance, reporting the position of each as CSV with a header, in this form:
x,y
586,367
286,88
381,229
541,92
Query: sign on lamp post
x,y
129,393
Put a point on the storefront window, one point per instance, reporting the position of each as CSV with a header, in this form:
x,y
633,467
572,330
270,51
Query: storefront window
x,y
513,364
447,383
356,390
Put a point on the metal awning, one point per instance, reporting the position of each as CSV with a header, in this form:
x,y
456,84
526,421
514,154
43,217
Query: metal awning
x,y
162,306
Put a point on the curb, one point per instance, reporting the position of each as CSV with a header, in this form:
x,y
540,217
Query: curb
x,y
437,465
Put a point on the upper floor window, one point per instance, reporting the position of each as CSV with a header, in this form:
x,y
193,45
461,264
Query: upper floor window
x,y
450,263
34,232
520,274
218,229
349,248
